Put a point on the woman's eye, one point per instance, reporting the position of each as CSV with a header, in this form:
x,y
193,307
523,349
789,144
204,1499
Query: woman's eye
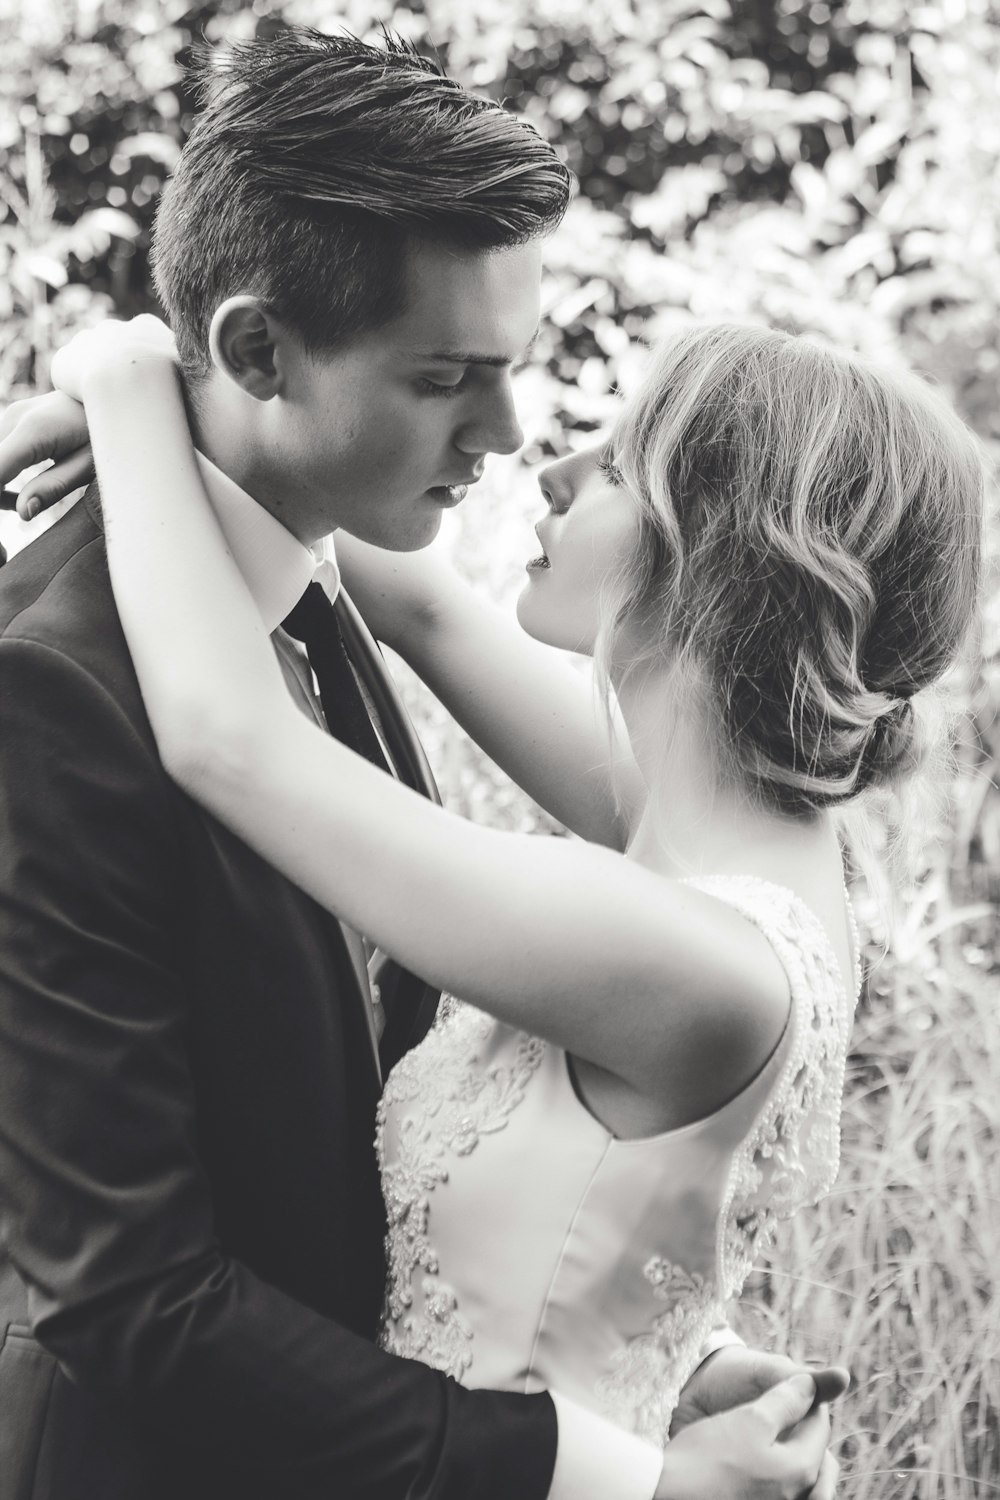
x,y
610,470
439,388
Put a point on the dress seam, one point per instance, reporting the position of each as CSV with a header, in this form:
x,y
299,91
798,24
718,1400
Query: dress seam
x,y
560,1259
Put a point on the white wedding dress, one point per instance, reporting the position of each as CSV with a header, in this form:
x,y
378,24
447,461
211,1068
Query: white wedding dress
x,y
529,1249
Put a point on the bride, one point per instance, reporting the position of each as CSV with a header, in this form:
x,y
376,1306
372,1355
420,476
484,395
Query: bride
x,y
770,557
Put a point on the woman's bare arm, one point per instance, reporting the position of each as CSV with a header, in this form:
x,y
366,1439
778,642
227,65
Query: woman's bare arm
x,y
574,942
524,703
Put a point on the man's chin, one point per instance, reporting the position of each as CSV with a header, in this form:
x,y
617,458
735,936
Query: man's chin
x,y
410,535
416,538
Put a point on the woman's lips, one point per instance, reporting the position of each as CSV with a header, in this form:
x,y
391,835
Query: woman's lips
x,y
542,560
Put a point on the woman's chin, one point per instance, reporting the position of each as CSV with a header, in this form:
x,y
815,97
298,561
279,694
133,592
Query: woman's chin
x,y
529,616
546,626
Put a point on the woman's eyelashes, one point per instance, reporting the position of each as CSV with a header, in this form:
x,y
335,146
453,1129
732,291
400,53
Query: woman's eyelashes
x,y
609,469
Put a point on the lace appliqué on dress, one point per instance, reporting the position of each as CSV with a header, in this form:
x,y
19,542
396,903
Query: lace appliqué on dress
x,y
642,1388
456,1101
791,1157
787,1161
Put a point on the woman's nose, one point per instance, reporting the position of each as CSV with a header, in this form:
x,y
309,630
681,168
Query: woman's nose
x,y
554,483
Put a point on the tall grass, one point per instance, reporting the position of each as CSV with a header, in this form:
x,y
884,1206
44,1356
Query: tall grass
x,y
893,1274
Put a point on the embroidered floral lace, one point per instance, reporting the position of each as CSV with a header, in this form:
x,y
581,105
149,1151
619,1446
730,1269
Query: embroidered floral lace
x,y
467,1102
444,1102
788,1161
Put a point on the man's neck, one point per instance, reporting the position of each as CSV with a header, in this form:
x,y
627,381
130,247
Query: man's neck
x,y
219,430
223,443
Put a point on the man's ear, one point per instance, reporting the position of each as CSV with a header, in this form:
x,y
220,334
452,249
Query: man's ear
x,y
245,341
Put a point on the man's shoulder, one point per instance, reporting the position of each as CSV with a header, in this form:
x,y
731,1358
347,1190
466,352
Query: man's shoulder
x,y
56,590
55,593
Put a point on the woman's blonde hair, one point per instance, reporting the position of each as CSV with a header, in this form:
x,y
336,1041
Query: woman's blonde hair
x,y
809,542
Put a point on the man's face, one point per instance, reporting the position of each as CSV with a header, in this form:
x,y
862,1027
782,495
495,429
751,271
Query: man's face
x,y
379,437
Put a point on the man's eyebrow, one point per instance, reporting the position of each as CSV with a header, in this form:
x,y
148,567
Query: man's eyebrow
x,y
465,357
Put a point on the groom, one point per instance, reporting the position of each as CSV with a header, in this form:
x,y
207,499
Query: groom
x,y
190,1222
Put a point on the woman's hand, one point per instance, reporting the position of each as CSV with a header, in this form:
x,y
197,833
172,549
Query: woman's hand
x,y
33,431
55,426
111,347
774,1448
735,1374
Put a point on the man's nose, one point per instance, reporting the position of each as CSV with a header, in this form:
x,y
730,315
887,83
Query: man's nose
x,y
494,428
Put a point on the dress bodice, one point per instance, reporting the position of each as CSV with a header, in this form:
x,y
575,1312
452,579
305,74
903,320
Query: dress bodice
x,y
530,1249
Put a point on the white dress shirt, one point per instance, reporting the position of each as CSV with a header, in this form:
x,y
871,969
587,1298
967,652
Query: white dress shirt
x,y
276,566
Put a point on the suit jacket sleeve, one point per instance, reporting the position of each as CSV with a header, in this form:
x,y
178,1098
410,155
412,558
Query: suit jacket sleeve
x,y
106,1211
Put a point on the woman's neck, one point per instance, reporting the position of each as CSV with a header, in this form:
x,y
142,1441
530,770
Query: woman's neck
x,y
696,821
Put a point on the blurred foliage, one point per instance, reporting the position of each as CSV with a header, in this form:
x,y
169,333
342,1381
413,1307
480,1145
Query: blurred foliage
x,y
824,166
830,166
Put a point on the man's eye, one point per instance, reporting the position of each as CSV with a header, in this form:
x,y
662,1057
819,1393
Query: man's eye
x,y
610,470
439,388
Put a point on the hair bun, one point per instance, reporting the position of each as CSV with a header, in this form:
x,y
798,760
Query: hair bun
x,y
891,742
808,545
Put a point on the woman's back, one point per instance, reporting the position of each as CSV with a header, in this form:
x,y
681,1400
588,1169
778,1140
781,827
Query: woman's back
x,y
530,1248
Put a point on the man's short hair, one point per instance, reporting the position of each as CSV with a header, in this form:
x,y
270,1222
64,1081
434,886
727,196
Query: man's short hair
x,y
315,162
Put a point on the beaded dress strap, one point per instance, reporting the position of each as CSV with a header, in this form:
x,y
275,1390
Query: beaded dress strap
x,y
715,885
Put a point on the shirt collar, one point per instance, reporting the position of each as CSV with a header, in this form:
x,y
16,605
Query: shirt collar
x,y
277,567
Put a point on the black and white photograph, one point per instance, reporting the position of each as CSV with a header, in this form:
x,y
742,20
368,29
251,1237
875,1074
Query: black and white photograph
x,y
499,750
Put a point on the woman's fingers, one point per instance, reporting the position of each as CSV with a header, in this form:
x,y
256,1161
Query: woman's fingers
x,y
805,1453
773,1447
812,1469
825,1487
788,1404
831,1381
54,484
54,426
40,428
37,430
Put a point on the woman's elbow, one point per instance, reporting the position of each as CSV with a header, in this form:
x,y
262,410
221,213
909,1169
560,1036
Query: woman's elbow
x,y
208,753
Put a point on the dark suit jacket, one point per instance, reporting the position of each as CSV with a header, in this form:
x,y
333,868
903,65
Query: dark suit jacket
x,y
191,1256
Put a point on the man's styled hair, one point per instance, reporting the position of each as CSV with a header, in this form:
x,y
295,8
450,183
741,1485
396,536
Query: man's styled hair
x,y
315,162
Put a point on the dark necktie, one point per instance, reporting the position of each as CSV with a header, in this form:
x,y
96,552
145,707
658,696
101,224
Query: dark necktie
x,y
409,1004
313,621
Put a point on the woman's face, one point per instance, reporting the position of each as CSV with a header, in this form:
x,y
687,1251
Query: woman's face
x,y
589,530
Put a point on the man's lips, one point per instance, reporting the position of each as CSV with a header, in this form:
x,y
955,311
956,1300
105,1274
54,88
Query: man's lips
x,y
455,490
448,494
